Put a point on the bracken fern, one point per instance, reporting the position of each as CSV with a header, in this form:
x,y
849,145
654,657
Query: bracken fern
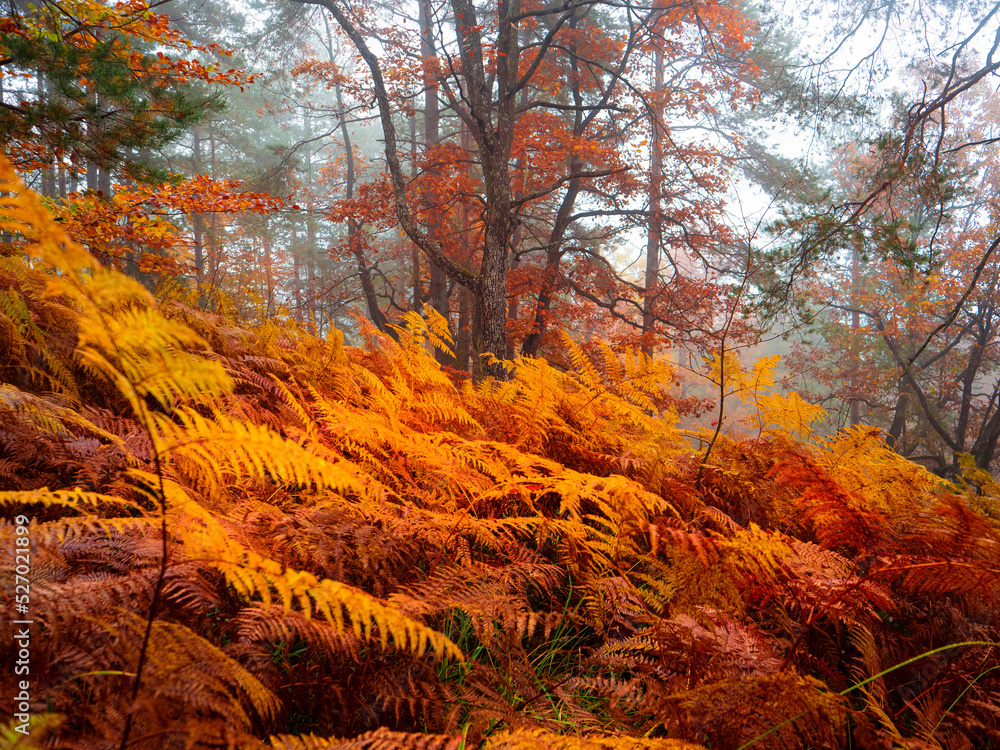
x,y
308,545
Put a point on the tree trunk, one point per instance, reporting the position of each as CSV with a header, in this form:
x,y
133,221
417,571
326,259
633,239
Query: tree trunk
x,y
48,186
492,126
463,337
213,248
855,408
655,227
438,290
512,299
985,446
416,284
375,313
197,220
268,273
553,258
104,181
898,426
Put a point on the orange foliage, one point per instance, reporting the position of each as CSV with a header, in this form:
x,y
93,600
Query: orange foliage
x,y
142,222
577,159
242,532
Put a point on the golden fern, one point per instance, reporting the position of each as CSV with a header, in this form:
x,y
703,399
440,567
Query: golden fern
x,y
380,739
536,739
536,551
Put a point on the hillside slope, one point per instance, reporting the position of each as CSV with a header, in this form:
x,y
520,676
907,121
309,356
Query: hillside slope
x,y
251,536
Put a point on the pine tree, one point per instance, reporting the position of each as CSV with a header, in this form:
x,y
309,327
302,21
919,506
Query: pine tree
x,y
89,88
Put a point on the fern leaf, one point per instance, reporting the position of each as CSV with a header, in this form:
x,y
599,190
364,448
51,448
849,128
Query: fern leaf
x,y
538,739
380,739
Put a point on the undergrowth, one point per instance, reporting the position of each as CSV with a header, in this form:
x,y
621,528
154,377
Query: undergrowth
x,y
251,536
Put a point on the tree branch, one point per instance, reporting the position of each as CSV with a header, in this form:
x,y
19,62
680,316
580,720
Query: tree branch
x,y
430,247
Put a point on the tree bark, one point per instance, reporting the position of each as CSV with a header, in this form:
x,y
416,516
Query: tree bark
x,y
654,230
438,289
898,426
197,220
855,401
985,446
463,338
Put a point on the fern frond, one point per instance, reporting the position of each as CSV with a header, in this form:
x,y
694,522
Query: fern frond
x,y
210,449
379,739
495,600
539,739
275,625
49,416
783,708
589,377
79,527
295,405
183,663
60,605
76,499
870,664
863,464
23,336
836,517
252,574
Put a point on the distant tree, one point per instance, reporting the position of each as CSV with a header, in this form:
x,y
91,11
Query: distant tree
x,y
909,302
552,99
90,87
